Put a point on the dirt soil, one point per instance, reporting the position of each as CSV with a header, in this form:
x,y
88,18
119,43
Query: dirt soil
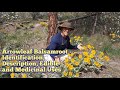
x,y
112,70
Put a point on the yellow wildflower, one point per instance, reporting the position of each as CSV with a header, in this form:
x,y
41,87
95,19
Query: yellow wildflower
x,y
70,67
24,75
72,60
101,54
70,55
74,53
44,24
77,74
76,63
80,56
87,60
70,74
97,64
106,58
75,36
66,60
65,73
85,53
85,48
93,47
12,75
91,56
78,37
112,35
89,46
67,65
93,52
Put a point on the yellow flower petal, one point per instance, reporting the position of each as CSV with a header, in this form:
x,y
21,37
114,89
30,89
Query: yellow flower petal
x,y
97,64
91,56
87,60
70,74
89,46
76,63
72,60
65,73
77,75
80,56
93,52
12,75
106,58
24,75
70,67
66,60
85,48
85,53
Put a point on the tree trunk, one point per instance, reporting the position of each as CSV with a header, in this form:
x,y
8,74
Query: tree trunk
x,y
52,25
94,26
